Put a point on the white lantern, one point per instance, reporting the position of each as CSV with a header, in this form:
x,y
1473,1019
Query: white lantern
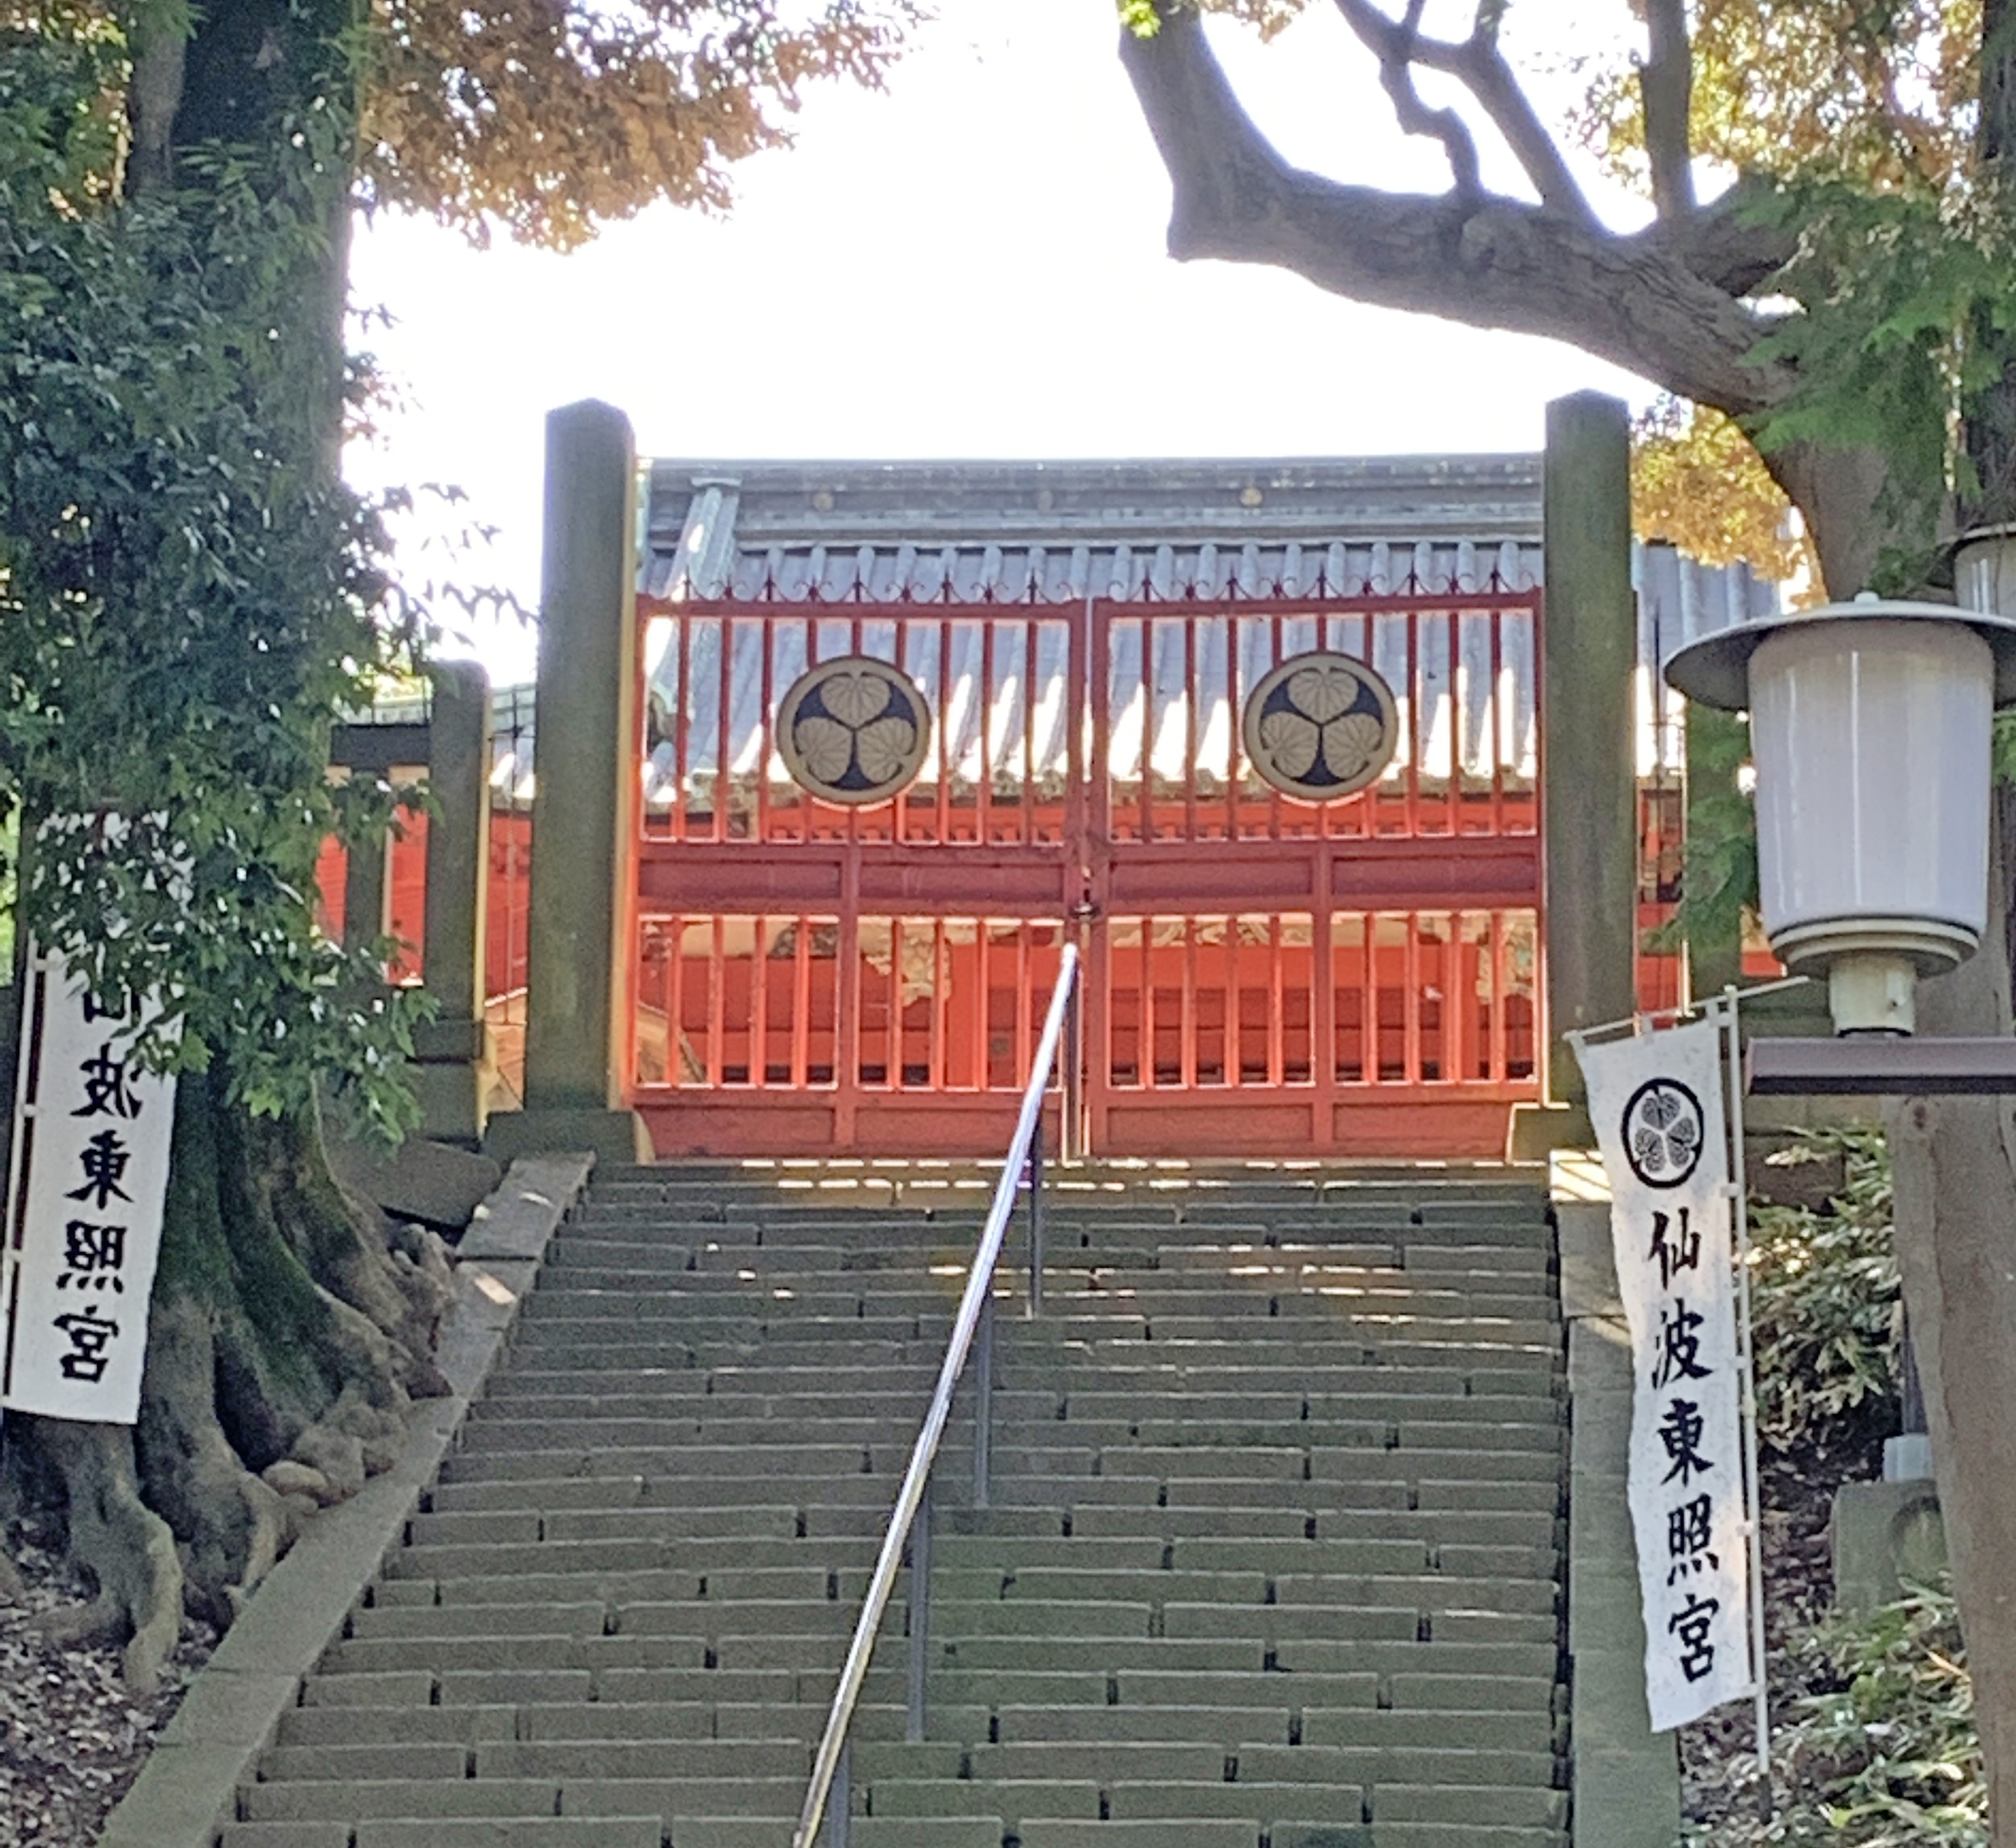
x,y
1871,723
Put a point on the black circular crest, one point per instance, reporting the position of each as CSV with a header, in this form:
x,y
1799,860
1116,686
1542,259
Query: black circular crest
x,y
1666,1132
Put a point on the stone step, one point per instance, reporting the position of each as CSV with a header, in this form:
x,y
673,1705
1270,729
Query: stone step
x,y
1256,1381
1264,1805
359,1799
1092,1353
425,1832
416,1724
1043,1831
963,1830
976,1654
1230,1727
744,1635
1398,1622
478,1512
1368,1423
1042,1361
849,1488
285,1835
1278,1471
1332,1765
583,1619
1011,1801
1456,1802
568,1760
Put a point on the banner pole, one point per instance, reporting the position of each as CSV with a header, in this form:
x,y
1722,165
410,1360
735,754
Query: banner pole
x,y
1754,1489
28,1038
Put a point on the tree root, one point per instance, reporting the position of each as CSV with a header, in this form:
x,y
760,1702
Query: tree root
x,y
127,1548
290,1323
233,1527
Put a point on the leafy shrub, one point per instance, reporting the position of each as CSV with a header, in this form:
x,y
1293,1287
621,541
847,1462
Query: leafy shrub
x,y
1879,1748
1887,1746
1825,1297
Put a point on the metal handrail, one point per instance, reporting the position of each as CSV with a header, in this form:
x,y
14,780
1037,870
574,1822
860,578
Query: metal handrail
x,y
977,1297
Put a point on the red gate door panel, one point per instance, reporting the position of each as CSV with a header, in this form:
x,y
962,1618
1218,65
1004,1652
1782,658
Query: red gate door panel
x,y
1262,974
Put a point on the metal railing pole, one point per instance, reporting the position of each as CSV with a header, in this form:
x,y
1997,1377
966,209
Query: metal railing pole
x,y
839,1799
1071,1123
909,1521
920,1615
1036,1220
982,1405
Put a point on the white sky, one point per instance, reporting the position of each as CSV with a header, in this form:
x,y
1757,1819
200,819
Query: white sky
x,y
970,264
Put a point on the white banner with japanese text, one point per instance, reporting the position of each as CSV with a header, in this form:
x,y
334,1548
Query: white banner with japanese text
x,y
1656,1100
91,1130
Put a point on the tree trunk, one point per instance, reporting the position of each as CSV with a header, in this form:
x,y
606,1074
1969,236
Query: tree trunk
x,y
1839,494
1955,1163
1954,1160
290,1327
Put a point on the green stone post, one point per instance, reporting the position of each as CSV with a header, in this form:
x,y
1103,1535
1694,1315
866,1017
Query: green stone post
x,y
364,894
1589,780
1717,743
578,937
452,1062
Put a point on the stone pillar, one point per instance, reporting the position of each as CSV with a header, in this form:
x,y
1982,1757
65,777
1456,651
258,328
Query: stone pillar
x,y
579,935
451,1050
1588,770
1626,1776
1717,743
364,876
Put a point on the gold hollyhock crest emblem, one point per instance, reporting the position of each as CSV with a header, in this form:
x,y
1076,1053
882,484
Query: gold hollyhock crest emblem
x,y
1321,726
854,730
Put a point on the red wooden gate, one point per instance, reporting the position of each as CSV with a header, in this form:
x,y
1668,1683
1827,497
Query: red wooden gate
x,y
1263,974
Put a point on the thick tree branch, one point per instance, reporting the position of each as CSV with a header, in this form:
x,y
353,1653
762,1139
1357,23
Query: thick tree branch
x,y
1479,66
1490,263
1723,243
1394,42
1666,81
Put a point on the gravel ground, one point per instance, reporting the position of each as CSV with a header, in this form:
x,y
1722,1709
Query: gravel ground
x,y
71,1738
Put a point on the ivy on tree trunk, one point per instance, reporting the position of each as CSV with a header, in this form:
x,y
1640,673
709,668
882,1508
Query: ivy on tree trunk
x,y
290,1325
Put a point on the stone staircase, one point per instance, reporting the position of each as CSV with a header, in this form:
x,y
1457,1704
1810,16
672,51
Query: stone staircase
x,y
1273,1559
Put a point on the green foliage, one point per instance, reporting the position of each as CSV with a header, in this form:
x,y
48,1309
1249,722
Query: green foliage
x,y
1909,301
1719,855
188,593
60,120
1825,1300
1888,1746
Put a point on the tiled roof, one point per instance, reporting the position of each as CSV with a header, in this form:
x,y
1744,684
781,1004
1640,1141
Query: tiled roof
x,y
1036,535
1061,532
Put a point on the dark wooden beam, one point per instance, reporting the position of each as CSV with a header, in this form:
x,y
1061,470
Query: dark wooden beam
x,y
1867,1066
381,747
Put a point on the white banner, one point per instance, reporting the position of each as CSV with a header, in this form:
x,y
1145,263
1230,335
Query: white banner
x,y
90,1183
1657,1102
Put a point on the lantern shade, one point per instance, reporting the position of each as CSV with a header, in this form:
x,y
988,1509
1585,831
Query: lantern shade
x,y
1872,743
1871,723
1715,670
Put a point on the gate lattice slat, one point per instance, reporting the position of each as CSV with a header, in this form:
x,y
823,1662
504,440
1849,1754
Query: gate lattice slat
x,y
1263,975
